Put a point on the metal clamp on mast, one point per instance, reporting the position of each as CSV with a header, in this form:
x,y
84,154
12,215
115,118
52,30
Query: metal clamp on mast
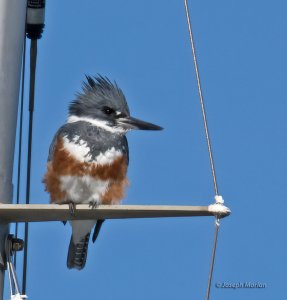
x,y
12,245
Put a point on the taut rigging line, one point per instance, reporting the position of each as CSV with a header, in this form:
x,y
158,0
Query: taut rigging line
x,y
218,198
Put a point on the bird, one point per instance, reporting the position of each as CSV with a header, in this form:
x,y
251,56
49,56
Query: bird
x,y
89,156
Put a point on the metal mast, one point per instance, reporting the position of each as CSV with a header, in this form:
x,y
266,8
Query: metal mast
x,y
12,29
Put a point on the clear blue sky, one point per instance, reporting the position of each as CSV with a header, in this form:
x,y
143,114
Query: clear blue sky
x,y
144,46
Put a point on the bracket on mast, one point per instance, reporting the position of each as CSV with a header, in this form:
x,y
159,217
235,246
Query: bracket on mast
x,y
11,245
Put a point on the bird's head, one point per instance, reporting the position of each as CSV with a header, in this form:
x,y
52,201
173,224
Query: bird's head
x,y
103,103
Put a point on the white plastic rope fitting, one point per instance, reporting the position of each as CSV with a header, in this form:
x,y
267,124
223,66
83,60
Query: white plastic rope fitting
x,y
218,199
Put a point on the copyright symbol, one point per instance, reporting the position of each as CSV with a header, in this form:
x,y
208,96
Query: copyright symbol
x,y
217,285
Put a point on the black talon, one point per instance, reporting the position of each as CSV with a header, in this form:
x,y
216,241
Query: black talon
x,y
72,207
92,204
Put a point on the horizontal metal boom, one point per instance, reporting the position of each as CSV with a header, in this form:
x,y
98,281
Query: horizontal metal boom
x,y
54,212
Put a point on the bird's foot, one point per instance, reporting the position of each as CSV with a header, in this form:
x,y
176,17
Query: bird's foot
x,y
93,204
72,208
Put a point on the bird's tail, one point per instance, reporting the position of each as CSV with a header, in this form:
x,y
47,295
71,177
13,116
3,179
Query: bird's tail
x,y
79,243
77,253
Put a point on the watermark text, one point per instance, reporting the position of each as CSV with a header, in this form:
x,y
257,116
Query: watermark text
x,y
240,285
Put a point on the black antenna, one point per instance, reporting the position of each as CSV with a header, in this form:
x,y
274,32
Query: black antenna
x,y
34,30
19,163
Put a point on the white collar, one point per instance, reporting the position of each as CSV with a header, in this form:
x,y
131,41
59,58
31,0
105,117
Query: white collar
x,y
98,123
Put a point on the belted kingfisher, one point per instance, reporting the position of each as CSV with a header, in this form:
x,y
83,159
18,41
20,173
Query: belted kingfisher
x,y
89,156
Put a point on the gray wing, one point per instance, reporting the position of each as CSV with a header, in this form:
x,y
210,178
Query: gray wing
x,y
126,146
53,145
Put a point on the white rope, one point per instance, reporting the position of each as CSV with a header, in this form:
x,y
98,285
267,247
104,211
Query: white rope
x,y
201,99
217,224
218,199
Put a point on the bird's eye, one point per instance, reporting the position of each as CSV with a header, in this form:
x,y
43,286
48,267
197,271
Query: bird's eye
x,y
108,110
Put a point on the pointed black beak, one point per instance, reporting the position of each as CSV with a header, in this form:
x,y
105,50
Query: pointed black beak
x,y
133,123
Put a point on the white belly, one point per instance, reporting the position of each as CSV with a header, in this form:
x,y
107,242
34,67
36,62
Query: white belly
x,y
83,189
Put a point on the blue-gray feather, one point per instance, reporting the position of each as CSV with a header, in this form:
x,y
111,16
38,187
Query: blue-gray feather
x,y
96,93
97,139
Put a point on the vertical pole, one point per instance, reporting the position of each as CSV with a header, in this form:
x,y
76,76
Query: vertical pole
x,y
12,28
